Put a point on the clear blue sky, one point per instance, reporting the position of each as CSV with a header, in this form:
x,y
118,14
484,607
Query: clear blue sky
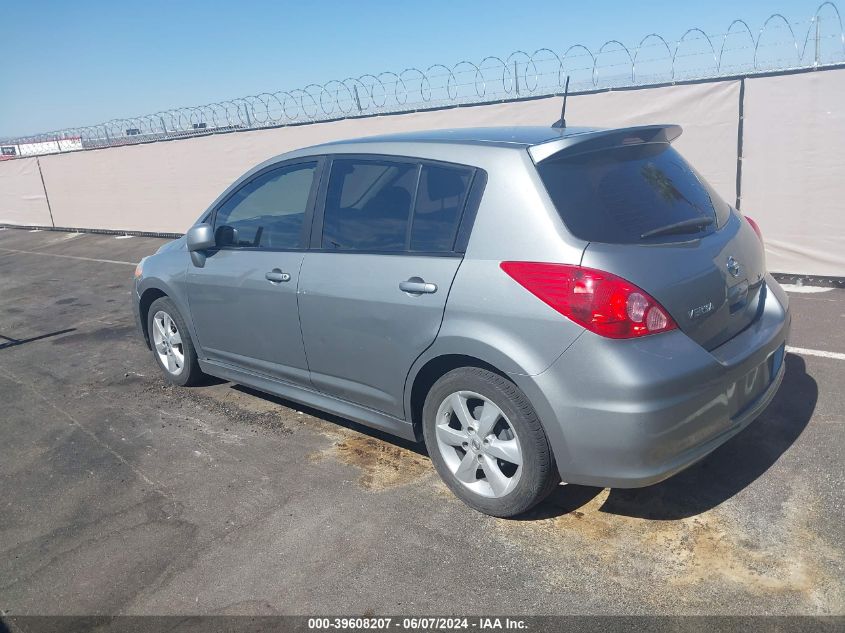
x,y
67,63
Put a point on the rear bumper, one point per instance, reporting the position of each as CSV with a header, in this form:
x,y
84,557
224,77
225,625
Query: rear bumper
x,y
631,413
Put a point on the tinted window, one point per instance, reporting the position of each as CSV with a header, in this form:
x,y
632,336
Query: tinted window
x,y
368,205
617,195
440,200
268,211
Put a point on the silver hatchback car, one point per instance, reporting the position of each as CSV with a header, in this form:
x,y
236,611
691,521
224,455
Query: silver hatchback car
x,y
537,304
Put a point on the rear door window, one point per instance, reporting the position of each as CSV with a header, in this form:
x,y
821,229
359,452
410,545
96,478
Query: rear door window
x,y
368,205
619,194
382,205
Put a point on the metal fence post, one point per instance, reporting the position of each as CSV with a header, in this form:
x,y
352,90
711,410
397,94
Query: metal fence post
x,y
740,137
357,99
44,188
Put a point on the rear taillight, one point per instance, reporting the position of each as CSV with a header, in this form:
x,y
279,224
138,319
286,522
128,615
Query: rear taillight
x,y
603,303
755,227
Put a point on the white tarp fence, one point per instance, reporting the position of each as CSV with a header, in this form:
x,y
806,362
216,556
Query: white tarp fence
x,y
793,169
22,198
794,134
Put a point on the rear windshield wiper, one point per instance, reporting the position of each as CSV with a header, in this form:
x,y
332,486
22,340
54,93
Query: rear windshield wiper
x,y
692,225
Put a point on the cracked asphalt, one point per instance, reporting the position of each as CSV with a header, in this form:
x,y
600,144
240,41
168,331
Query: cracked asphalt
x,y
121,495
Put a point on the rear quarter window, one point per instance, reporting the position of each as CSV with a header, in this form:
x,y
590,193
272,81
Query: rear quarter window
x,y
616,195
441,196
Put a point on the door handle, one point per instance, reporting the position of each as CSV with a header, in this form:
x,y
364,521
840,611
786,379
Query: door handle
x,y
276,276
417,286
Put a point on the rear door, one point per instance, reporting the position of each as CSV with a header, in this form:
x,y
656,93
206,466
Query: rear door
x,y
653,220
374,286
243,300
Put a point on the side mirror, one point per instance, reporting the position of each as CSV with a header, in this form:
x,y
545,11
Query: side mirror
x,y
199,239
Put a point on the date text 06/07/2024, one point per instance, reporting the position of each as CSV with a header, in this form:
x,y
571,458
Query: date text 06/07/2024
x,y
416,623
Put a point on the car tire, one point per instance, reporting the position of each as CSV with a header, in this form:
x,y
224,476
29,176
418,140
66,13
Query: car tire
x,y
459,427
171,344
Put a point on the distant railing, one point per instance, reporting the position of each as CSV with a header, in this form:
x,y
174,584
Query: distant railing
x,y
777,45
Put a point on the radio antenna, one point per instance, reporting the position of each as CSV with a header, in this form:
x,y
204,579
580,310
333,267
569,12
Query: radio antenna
x,y
562,123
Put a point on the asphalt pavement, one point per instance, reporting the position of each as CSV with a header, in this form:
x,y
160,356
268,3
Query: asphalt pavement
x,y
122,495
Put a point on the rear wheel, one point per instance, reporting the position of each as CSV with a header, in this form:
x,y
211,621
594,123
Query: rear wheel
x,y
172,345
487,443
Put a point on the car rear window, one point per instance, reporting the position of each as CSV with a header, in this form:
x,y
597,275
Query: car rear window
x,y
618,194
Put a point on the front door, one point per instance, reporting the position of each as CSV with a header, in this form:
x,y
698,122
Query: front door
x,y
373,292
243,300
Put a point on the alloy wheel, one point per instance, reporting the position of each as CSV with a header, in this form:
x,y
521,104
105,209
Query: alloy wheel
x,y
168,343
478,444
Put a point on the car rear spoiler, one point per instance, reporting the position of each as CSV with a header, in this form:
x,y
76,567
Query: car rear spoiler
x,y
603,139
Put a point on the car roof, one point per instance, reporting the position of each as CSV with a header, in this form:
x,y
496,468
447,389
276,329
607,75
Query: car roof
x,y
541,142
514,136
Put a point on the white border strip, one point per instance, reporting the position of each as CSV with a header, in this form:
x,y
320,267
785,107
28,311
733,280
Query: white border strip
x,y
815,352
85,259
801,289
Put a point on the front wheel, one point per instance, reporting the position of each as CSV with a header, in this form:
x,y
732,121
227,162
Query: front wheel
x,y
172,345
486,442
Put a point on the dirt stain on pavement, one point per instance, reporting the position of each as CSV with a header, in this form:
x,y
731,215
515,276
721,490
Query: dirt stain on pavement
x,y
712,551
382,465
229,395
191,404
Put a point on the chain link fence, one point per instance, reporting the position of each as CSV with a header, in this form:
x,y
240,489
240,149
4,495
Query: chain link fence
x,y
776,45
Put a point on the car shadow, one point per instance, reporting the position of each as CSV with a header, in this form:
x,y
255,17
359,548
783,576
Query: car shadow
x,y
416,447
705,485
719,476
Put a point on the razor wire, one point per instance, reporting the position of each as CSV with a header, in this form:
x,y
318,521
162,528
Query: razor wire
x,y
776,45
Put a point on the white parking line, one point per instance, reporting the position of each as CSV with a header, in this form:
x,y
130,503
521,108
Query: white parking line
x,y
815,352
805,289
85,259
